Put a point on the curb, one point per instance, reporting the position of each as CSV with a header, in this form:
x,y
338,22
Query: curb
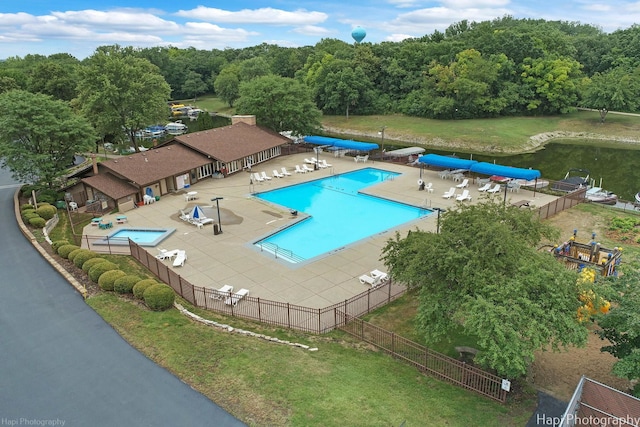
x,y
29,235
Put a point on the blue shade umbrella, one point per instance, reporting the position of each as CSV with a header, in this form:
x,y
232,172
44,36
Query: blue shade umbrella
x,y
197,213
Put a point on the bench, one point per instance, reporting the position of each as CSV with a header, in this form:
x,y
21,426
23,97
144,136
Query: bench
x,y
467,351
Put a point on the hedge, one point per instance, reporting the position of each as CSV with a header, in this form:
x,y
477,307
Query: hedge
x,y
125,284
65,250
159,297
47,211
27,215
141,286
84,256
74,253
27,206
97,270
91,262
37,222
107,279
55,245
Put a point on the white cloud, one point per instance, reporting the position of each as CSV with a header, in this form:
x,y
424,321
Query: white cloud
x,y
397,37
312,30
474,4
12,20
425,21
268,16
129,19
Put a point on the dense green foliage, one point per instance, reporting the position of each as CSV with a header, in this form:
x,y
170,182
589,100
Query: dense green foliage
x,y
91,262
621,326
98,269
159,297
140,287
483,273
46,211
125,284
65,250
39,136
107,279
506,66
83,256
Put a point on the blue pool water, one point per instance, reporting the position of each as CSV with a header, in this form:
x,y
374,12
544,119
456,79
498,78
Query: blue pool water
x,y
142,236
339,214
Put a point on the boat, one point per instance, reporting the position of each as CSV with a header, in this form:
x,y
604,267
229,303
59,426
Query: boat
x,y
598,195
573,180
638,197
176,128
533,183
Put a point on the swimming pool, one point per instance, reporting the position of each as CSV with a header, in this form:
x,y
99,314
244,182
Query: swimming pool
x,y
142,236
338,214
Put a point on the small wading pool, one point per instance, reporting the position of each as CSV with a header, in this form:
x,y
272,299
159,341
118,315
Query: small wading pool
x,y
141,236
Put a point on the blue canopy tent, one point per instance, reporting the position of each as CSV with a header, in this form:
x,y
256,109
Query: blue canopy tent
x,y
506,171
446,161
346,144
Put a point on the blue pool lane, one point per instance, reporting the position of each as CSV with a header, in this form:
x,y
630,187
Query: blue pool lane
x,y
339,213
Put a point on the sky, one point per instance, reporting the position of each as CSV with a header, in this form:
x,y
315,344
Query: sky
x,y
78,27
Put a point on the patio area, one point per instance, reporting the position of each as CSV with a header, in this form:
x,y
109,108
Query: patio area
x,y
230,258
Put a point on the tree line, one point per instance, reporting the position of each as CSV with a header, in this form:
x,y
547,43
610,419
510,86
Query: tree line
x,y
493,68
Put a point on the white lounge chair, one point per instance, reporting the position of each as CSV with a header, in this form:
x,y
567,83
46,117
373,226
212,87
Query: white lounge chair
x,y
485,187
284,171
234,298
449,194
223,292
277,174
464,196
257,177
324,163
300,170
380,275
181,257
495,189
165,254
201,222
307,168
311,161
429,187
184,216
264,176
463,184
372,281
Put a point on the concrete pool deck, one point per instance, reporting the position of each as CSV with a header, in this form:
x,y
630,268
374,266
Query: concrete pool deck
x,y
231,259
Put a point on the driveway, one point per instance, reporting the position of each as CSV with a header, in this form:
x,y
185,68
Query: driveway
x,y
61,364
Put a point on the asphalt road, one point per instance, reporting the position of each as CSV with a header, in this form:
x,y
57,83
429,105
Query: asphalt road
x,y
62,364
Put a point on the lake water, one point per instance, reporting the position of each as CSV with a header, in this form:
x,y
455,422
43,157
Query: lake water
x,y
617,165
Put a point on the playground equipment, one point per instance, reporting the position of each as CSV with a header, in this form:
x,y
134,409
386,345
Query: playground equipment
x,y
577,256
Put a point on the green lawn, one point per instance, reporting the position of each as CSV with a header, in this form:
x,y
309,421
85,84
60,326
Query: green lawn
x,y
344,383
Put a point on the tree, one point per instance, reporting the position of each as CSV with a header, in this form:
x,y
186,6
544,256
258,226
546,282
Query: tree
x,y
615,90
343,89
554,84
482,273
204,121
621,326
56,78
227,85
280,104
39,136
122,93
194,85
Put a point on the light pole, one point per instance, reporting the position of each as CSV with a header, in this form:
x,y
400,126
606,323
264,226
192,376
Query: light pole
x,y
381,133
438,220
217,199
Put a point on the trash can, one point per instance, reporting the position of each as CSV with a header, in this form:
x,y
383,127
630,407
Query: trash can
x,y
60,204
216,229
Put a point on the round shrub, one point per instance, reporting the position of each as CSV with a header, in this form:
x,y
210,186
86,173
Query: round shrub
x,y
37,222
73,253
65,250
97,270
91,262
26,206
125,284
46,211
27,215
141,286
55,245
159,297
108,278
24,212
83,256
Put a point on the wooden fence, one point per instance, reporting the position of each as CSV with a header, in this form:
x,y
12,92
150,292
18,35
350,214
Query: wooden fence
x,y
562,203
314,320
427,361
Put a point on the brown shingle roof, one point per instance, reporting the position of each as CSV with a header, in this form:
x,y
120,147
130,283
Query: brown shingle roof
x,y
110,185
601,402
155,164
233,142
